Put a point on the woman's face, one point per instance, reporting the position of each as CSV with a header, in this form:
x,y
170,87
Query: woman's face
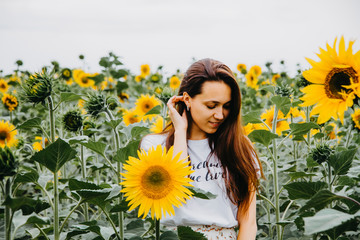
x,y
209,109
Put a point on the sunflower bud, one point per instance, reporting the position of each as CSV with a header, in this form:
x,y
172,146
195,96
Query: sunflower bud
x,y
73,121
96,104
8,164
321,153
284,91
165,95
87,125
37,88
302,82
155,78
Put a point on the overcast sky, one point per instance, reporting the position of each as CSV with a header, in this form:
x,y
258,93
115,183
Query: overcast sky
x,y
171,32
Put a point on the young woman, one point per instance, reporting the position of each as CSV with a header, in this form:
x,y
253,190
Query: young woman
x,y
206,126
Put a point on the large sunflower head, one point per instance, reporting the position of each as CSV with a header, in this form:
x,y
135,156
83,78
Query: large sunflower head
x,y
356,119
145,103
10,102
174,82
145,70
252,80
332,77
156,181
83,79
158,125
7,134
131,116
282,123
3,85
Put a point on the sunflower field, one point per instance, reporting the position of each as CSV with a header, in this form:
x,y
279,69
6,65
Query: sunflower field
x,y
68,138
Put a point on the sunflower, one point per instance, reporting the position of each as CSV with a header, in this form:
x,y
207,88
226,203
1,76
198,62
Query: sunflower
x,y
156,181
123,97
251,127
241,67
145,103
131,116
332,78
281,125
3,85
275,77
83,79
256,70
252,80
158,125
7,134
174,82
38,144
356,118
139,78
145,70
10,102
297,114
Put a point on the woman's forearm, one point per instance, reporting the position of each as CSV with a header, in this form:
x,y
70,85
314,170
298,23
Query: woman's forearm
x,y
180,144
247,231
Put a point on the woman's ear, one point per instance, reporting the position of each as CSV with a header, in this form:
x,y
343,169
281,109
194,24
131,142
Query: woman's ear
x,y
186,99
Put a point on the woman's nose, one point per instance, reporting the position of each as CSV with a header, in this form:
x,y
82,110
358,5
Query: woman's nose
x,y
219,113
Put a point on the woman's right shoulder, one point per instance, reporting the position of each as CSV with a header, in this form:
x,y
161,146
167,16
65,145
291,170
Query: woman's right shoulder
x,y
152,140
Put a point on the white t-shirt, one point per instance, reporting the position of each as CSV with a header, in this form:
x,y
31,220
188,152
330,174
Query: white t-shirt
x,y
219,211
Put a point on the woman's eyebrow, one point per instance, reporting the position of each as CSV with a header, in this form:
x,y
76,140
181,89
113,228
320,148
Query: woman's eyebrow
x,y
214,101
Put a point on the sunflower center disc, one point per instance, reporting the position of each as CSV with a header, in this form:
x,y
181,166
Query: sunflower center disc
x,y
3,135
84,80
156,182
336,79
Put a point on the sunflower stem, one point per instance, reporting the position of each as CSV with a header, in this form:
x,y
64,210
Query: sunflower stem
x,y
348,137
276,181
84,175
118,171
157,229
7,211
56,180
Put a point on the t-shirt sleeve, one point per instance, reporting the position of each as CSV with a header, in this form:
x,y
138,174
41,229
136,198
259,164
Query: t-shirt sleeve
x,y
152,140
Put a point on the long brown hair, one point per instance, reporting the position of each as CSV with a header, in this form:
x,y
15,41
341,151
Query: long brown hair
x,y
229,142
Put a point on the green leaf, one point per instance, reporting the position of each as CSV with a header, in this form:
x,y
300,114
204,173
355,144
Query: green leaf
x,y
341,161
138,132
303,190
69,97
120,86
78,185
321,199
98,78
326,219
199,193
297,175
27,205
169,235
113,123
186,233
268,88
38,220
30,124
302,128
262,136
122,207
129,150
25,177
252,117
55,155
119,73
154,110
98,147
282,103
